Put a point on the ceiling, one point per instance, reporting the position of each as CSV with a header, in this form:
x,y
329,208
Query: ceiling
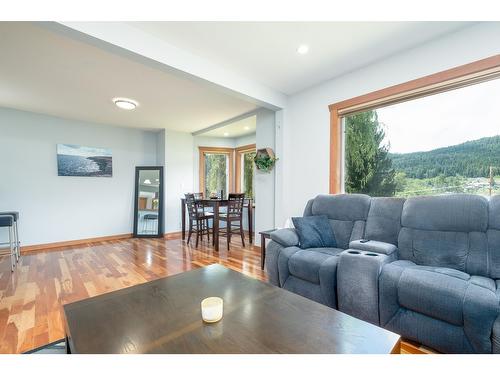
x,y
236,129
266,51
47,72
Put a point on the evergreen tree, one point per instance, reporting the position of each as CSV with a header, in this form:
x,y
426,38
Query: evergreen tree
x,y
368,166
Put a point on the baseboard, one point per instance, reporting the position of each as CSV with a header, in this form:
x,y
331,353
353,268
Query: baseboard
x,y
172,235
55,245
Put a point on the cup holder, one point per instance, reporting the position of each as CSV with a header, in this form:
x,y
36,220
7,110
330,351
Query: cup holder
x,y
372,254
353,252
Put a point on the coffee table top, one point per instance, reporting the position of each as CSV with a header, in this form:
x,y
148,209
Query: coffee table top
x,y
163,316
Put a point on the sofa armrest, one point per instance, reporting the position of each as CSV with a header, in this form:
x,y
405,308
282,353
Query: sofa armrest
x,y
286,237
373,246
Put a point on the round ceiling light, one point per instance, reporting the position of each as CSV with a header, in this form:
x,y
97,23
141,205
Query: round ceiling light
x,y
226,134
124,103
303,49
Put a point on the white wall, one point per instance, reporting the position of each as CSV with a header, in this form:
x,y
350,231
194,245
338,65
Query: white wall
x,y
178,170
264,183
244,140
56,208
306,139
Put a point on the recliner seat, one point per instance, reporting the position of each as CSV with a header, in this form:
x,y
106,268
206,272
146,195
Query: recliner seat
x,y
440,292
312,272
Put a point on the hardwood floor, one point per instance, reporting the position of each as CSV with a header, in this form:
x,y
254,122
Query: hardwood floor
x,y
31,297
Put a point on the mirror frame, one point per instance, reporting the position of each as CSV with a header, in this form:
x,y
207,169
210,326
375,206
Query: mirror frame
x,y
160,205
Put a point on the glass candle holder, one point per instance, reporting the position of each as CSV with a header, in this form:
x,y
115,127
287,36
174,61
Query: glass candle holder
x,y
212,309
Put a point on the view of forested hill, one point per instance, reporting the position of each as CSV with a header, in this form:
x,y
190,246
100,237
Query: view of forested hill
x,y
469,159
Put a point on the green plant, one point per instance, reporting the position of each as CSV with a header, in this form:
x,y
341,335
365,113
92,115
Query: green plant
x,y
264,163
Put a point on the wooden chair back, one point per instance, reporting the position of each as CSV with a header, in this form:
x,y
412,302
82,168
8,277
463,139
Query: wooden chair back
x,y
235,204
193,205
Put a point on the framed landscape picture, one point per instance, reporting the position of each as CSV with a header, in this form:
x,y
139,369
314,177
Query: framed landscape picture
x,y
73,160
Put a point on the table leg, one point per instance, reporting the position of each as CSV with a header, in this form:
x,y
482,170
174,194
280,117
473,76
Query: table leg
x,y
183,218
216,225
250,221
262,251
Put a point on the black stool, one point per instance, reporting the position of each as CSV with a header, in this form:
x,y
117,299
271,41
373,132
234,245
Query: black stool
x,y
150,218
17,243
7,221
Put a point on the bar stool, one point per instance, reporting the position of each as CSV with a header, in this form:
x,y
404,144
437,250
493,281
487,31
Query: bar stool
x,y
234,214
198,218
7,221
17,242
150,218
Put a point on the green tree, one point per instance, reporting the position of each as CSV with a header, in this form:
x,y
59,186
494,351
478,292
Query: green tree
x,y
248,169
368,166
215,173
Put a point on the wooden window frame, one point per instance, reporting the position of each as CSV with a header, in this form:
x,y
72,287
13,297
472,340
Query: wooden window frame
x,y
239,151
215,150
451,79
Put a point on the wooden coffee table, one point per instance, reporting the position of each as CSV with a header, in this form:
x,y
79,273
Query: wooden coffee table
x,y
163,316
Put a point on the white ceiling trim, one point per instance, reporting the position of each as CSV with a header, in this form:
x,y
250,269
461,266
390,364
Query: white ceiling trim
x,y
151,47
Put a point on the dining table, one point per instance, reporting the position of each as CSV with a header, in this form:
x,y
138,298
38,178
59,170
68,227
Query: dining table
x,y
216,204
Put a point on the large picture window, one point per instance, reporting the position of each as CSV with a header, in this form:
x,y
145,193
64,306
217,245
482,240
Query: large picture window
x,y
439,144
434,135
219,173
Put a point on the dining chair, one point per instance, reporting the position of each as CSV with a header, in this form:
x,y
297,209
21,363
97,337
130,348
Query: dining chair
x,y
233,217
198,218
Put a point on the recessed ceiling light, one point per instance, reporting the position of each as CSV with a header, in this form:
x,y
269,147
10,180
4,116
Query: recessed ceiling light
x,y
247,128
303,49
226,134
125,103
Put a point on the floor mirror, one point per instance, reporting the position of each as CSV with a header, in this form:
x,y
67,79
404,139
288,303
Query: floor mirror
x,y
148,207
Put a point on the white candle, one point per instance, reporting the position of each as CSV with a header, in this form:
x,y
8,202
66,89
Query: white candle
x,y
212,309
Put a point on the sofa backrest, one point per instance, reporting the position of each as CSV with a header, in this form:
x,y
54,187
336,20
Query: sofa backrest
x,y
347,214
493,235
446,231
384,220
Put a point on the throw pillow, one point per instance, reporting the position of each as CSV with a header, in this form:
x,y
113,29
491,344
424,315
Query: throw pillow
x,y
314,231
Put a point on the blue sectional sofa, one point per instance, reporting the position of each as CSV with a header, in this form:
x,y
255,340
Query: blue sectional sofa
x,y
430,270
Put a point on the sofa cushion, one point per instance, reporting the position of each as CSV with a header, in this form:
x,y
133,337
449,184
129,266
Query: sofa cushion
x,y
314,231
343,207
494,212
446,295
466,252
384,219
306,264
494,237
435,294
455,213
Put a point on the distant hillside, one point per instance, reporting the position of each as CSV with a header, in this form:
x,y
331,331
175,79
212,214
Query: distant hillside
x,y
469,159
